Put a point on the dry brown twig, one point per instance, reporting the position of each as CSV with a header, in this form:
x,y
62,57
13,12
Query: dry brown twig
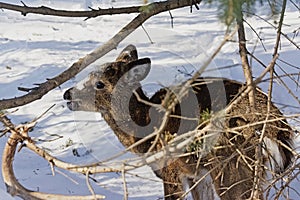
x,y
18,134
125,184
88,183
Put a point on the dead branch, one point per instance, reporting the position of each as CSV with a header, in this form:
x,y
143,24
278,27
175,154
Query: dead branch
x,y
43,10
63,174
88,183
11,182
82,63
125,185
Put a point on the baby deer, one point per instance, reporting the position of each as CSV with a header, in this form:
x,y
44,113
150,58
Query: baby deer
x,y
116,92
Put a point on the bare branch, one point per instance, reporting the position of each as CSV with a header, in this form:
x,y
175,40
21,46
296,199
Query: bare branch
x,y
11,182
43,10
245,63
88,183
125,185
65,175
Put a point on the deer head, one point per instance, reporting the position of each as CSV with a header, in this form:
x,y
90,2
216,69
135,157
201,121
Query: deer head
x,y
113,83
109,91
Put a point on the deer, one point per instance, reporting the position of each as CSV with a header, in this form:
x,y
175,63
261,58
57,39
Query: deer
x,y
115,90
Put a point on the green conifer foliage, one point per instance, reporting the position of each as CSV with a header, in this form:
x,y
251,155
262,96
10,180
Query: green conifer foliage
x,y
232,10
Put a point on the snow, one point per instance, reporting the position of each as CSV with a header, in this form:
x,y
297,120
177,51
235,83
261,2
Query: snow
x,y
35,47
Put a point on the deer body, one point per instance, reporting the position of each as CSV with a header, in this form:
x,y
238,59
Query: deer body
x,y
116,92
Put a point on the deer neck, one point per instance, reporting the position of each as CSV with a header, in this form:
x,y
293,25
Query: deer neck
x,y
128,117
127,105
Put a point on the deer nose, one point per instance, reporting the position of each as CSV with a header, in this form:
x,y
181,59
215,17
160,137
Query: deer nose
x,y
67,95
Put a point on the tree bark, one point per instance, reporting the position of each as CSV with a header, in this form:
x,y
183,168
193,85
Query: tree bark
x,y
245,63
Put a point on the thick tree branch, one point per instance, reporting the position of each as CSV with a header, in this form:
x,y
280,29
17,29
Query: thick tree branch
x,y
43,10
82,63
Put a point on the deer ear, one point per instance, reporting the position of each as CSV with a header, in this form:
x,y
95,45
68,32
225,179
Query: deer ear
x,y
128,54
137,70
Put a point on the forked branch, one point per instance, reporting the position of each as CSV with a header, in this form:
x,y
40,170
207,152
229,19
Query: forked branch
x,y
13,186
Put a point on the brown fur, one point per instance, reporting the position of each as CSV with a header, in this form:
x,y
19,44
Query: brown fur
x,y
232,176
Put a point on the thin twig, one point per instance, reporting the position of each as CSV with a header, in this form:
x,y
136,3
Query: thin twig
x,y
258,36
124,185
147,34
68,177
88,183
172,19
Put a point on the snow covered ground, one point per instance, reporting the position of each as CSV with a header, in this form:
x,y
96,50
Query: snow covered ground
x,y
35,47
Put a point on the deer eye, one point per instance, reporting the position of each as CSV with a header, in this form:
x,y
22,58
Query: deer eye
x,y
99,85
